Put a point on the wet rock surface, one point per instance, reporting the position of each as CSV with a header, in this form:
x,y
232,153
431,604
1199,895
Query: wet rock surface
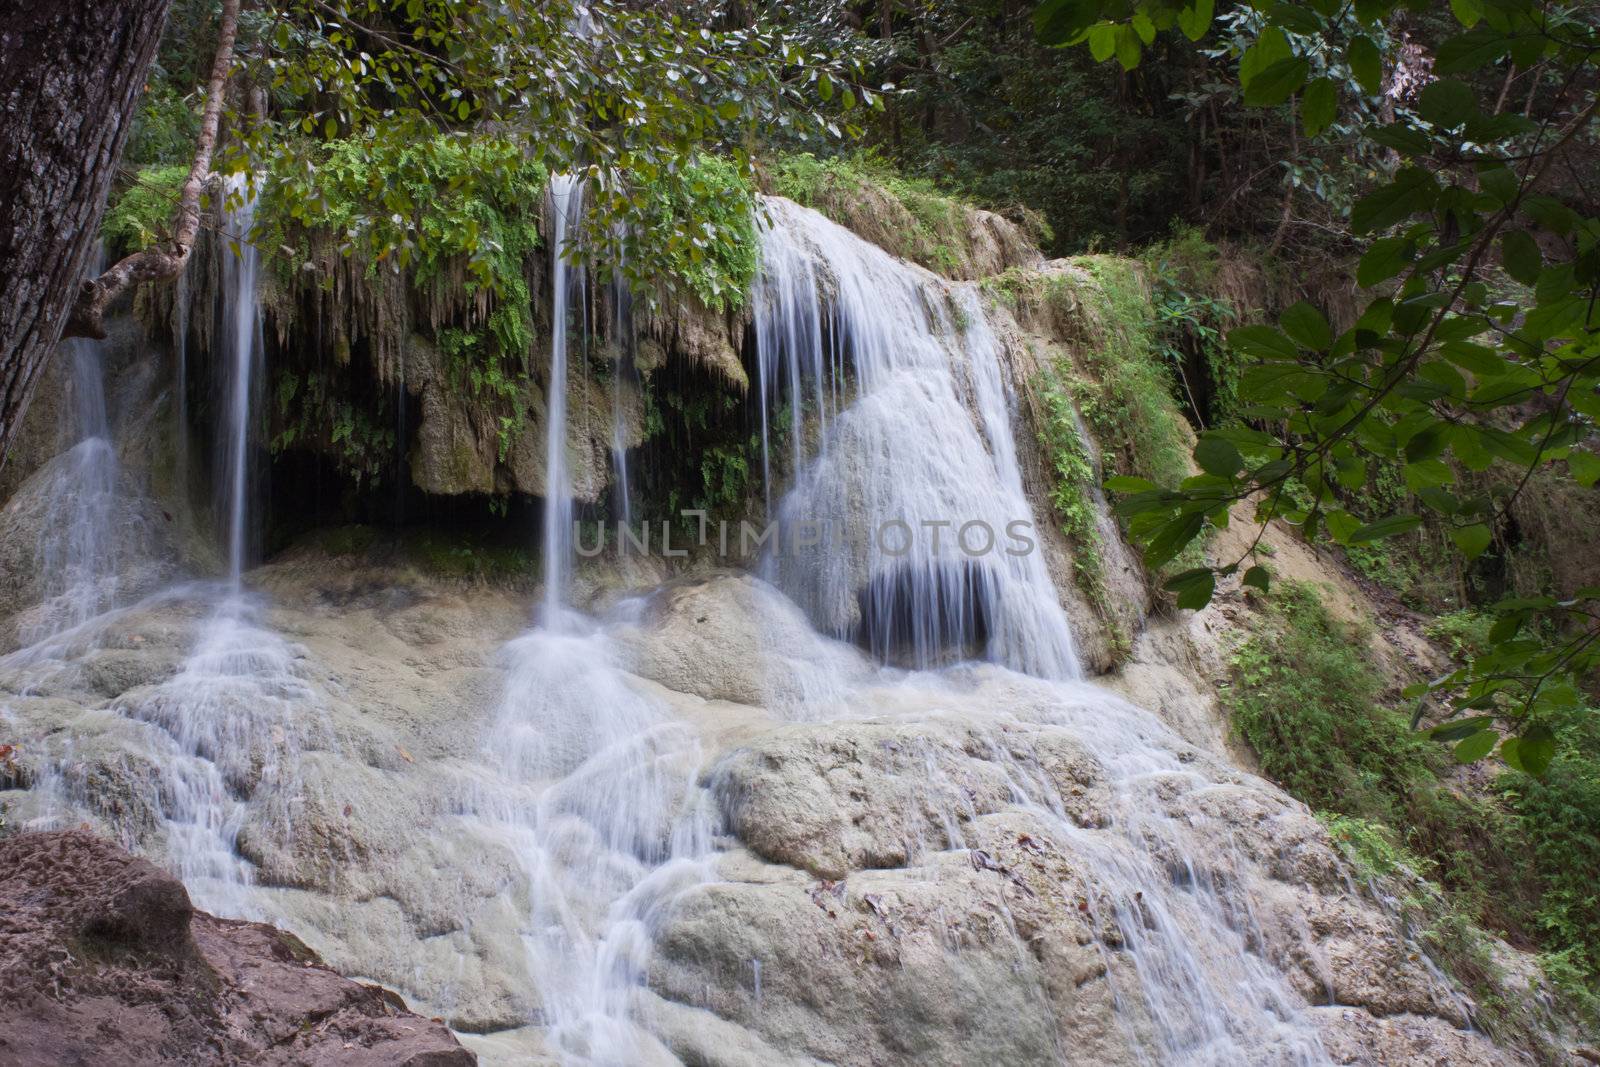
x,y
924,874
103,960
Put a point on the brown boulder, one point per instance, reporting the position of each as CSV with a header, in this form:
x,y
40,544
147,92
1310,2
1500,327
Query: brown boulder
x,y
104,960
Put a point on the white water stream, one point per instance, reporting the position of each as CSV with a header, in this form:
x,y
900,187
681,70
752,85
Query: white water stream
x,y
603,798
77,554
898,410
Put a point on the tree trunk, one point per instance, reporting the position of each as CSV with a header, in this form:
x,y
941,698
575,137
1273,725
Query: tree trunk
x,y
71,72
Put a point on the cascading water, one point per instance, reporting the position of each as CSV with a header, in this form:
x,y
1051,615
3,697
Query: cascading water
x,y
910,530
622,333
242,338
598,796
928,440
238,710
77,555
566,214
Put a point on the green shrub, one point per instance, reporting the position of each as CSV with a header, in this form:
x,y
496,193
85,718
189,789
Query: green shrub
x,y
1523,860
1130,401
1072,494
142,214
717,259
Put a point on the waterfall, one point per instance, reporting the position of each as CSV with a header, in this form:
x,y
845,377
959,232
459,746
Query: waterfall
x,y
927,440
182,299
238,712
566,214
622,337
909,530
598,796
77,555
242,346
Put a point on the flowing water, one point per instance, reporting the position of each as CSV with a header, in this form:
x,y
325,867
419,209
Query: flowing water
x,y
566,214
598,799
77,553
886,395
602,796
242,356
910,530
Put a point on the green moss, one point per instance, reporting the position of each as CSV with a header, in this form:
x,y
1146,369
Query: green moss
x,y
703,221
142,214
1072,495
929,227
1131,403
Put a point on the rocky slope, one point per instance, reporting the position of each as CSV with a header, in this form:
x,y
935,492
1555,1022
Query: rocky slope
x,y
957,867
103,960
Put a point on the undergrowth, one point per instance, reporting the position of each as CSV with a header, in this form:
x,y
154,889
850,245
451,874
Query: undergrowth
x,y
1520,860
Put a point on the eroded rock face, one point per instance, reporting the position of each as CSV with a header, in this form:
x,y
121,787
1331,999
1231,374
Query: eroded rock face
x,y
103,960
930,869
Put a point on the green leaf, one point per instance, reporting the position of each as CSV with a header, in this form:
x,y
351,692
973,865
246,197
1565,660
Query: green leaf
x,y
1584,466
1457,729
1217,456
1271,47
1128,48
1469,51
1102,41
1519,255
1365,64
1195,19
1412,190
1447,103
1123,483
1471,540
1258,578
1058,22
1341,524
1476,746
1383,259
1170,538
1535,749
1426,473
1394,524
1194,587
1467,12
1263,341
1307,326
1319,104
1277,83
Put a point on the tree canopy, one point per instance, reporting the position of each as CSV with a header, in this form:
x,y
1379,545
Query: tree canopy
x,y
1477,344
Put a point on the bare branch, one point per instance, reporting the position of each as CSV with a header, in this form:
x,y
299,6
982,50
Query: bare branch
x,y
166,260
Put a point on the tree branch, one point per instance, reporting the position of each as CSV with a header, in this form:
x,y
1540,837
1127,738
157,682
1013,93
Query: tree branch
x,y
167,260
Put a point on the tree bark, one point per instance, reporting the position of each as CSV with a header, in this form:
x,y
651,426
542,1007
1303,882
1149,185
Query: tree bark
x,y
71,72
166,260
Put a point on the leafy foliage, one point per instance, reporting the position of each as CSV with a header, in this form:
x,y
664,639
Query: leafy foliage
x,y
309,409
1306,698
1440,364
1073,493
623,96
707,224
142,214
